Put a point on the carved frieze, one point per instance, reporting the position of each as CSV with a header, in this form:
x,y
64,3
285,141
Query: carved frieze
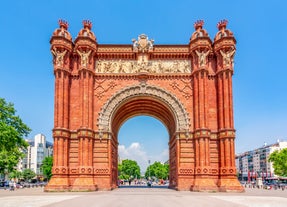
x,y
153,66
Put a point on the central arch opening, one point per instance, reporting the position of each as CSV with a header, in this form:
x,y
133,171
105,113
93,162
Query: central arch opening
x,y
144,139
157,117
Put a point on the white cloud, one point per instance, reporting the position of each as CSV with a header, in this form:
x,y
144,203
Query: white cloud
x,y
136,152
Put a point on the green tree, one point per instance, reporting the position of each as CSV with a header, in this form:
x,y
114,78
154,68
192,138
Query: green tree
x,y
47,167
15,175
129,169
12,131
279,159
28,174
158,170
9,159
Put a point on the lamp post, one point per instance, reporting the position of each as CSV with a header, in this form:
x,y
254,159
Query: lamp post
x,y
148,169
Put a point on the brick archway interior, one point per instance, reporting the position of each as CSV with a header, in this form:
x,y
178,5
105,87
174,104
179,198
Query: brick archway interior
x,y
144,100
143,105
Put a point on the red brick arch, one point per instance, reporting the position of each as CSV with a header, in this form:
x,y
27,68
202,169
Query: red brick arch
x,y
187,87
144,99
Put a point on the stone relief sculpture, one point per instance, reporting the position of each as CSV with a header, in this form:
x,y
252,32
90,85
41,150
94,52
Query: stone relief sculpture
x,y
124,66
84,57
227,56
58,56
143,44
202,57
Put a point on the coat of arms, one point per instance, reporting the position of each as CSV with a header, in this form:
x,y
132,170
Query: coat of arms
x,y
143,44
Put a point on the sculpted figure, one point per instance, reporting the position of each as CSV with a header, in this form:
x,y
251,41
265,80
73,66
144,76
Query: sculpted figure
x,y
126,67
99,66
84,57
59,56
201,57
107,67
227,56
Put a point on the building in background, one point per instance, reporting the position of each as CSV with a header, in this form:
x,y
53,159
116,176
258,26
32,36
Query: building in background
x,y
255,163
35,153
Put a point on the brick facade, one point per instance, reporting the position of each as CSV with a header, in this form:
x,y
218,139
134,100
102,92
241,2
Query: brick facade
x,y
187,87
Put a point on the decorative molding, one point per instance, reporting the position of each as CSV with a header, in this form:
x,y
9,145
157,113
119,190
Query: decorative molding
x,y
227,171
101,171
108,110
187,171
60,170
186,90
152,66
100,90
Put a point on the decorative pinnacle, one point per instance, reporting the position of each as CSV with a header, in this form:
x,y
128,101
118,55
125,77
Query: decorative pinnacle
x,y
87,24
63,24
198,24
222,24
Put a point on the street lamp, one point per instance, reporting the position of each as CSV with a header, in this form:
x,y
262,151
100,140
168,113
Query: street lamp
x,y
148,169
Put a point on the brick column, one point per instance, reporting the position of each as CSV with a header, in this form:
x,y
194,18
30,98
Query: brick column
x,y
228,180
61,47
201,49
84,51
86,135
224,47
203,181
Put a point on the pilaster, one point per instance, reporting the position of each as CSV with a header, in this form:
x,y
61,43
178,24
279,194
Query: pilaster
x,y
85,179
201,48
224,47
61,47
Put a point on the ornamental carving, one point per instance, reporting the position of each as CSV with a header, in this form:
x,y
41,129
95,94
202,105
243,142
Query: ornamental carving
x,y
58,56
100,90
154,66
84,57
186,171
101,171
202,57
106,114
186,90
143,44
227,56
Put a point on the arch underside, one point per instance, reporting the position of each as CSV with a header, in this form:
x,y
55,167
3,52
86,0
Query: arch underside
x,y
143,100
143,105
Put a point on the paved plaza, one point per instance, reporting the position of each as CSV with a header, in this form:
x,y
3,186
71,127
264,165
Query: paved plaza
x,y
142,197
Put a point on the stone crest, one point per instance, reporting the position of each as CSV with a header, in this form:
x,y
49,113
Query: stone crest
x,y
143,44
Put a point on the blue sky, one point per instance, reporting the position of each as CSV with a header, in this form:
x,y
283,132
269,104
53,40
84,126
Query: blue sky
x,y
259,82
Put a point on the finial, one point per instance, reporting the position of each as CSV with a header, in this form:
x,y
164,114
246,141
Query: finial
x,y
198,24
87,24
222,24
63,24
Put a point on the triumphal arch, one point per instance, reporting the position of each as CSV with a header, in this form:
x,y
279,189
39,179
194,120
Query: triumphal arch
x,y
187,87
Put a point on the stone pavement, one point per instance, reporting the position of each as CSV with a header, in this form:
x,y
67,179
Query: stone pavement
x,y
142,197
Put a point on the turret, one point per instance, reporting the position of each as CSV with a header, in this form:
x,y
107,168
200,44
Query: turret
x,y
61,46
200,47
85,47
224,46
